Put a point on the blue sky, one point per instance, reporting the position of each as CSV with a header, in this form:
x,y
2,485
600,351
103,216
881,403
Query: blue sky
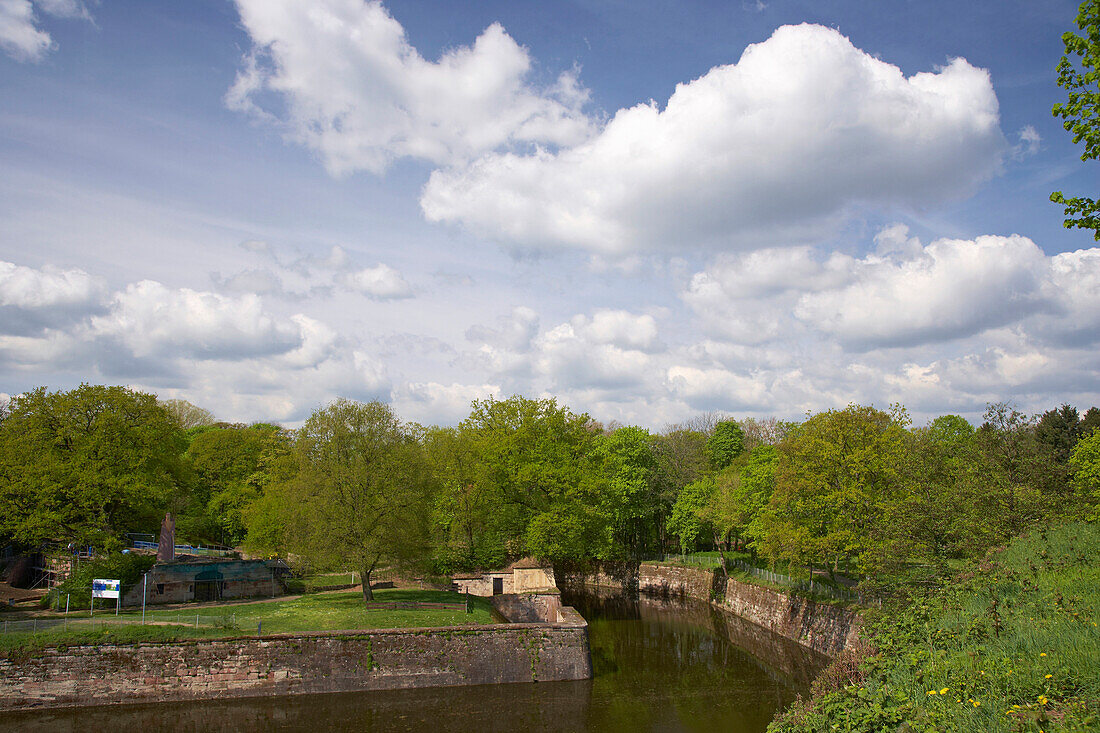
x,y
645,209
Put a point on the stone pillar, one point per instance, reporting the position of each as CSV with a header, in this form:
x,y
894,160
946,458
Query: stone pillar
x,y
166,544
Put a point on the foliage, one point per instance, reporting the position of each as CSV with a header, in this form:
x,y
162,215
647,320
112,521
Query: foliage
x,y
187,415
836,474
686,521
537,459
359,493
86,465
1085,464
228,465
1079,75
629,500
1010,645
726,444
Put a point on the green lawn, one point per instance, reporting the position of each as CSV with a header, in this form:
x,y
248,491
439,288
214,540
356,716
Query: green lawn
x,y
344,610
314,612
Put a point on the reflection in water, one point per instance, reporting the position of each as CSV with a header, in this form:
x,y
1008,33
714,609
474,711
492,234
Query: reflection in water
x,y
659,666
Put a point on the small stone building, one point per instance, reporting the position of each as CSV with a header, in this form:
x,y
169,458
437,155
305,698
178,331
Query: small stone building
x,y
188,579
523,576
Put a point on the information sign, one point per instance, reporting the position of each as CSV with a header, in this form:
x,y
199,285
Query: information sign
x,y
102,588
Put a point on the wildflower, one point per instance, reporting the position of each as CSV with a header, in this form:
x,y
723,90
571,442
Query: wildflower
x,y
976,702
1049,676
1042,700
944,691
1042,654
931,692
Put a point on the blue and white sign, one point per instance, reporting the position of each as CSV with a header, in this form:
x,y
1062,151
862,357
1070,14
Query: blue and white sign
x,y
106,588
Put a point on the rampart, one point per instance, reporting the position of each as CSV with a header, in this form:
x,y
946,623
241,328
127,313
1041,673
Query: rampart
x,y
819,626
298,664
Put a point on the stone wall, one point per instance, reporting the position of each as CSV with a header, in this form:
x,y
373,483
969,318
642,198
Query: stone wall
x,y
819,626
530,608
297,664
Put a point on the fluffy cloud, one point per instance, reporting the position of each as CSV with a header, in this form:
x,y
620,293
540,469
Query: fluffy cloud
x,y
32,299
20,36
380,282
435,403
359,95
901,295
952,288
150,319
772,148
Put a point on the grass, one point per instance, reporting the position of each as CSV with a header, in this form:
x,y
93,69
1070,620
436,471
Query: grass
x,y
1010,645
315,612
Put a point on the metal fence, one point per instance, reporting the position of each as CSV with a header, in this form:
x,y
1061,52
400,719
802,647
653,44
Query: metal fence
x,y
186,549
805,586
76,622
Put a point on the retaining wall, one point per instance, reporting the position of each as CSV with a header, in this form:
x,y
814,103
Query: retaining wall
x,y
297,664
819,626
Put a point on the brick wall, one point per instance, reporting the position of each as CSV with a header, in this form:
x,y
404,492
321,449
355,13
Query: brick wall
x,y
296,664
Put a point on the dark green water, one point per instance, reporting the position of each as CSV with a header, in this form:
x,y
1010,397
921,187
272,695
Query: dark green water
x,y
659,666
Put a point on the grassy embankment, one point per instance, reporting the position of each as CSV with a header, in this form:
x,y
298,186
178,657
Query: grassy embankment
x,y
1010,645
313,612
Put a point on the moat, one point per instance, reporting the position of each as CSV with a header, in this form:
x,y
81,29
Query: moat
x,y
660,665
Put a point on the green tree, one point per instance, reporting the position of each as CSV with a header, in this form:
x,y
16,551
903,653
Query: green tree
x,y
629,502
688,522
224,462
726,444
1079,75
681,459
465,511
86,465
188,415
361,493
836,474
537,460
1084,462
1059,430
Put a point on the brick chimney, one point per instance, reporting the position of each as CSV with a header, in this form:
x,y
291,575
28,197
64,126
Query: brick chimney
x,y
166,544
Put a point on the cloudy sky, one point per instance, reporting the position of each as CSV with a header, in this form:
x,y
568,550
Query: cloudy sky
x,y
645,209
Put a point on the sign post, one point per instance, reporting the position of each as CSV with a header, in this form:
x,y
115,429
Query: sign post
x,y
144,592
105,588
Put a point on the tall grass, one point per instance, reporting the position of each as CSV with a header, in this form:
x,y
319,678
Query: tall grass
x,y
1012,644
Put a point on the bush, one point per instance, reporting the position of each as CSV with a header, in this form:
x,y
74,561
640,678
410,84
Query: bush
x,y
126,567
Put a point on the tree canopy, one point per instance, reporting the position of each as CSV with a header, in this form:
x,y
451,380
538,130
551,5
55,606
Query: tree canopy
x,y
1079,75
86,465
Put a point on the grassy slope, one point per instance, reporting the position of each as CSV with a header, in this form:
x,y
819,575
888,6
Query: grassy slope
x,y
316,612
1011,645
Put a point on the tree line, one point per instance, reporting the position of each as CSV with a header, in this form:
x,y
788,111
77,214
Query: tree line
x,y
858,489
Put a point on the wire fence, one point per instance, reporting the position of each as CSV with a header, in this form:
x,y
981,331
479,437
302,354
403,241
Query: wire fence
x,y
812,587
805,586
91,623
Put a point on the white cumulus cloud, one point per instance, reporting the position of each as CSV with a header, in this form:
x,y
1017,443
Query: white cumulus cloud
x,y
380,282
355,91
151,319
772,148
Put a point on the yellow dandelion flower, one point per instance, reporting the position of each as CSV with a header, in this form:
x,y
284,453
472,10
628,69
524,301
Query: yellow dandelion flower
x,y
931,692
1049,676
977,703
943,691
1042,654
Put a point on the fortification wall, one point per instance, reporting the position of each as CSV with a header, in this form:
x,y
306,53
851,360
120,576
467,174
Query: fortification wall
x,y
297,664
819,626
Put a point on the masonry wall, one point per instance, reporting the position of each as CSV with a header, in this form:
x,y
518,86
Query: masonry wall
x,y
297,664
819,626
